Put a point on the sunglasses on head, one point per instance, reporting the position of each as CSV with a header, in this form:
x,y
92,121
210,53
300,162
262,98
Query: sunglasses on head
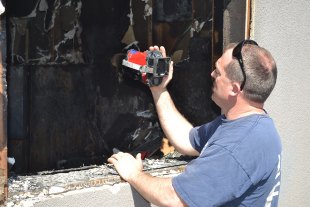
x,y
238,55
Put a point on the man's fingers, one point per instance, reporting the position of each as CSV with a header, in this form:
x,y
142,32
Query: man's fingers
x,y
155,47
138,157
163,51
112,160
116,157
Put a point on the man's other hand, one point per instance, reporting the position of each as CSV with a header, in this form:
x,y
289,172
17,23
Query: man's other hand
x,y
126,165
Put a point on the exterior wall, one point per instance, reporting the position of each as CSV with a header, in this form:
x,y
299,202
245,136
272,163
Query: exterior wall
x,y
121,194
283,27
117,195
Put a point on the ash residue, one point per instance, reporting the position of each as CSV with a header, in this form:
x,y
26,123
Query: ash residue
x,y
25,190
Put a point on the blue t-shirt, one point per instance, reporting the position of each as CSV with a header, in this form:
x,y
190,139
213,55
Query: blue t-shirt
x,y
238,165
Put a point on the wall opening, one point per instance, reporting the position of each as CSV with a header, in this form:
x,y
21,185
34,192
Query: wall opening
x,y
69,103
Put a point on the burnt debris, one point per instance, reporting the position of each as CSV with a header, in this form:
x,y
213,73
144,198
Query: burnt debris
x,y
69,105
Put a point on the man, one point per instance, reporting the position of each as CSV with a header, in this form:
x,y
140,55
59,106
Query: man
x,y
238,161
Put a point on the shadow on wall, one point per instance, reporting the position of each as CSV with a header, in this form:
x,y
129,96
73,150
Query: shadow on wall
x,y
138,200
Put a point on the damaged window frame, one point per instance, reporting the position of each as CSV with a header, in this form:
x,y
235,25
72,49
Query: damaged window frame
x,y
72,54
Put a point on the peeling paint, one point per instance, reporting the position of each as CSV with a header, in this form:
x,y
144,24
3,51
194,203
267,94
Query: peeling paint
x,y
147,9
130,15
145,114
73,56
196,27
52,22
44,58
66,50
2,8
43,6
33,12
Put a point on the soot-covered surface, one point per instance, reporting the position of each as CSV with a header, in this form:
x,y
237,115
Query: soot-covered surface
x,y
69,105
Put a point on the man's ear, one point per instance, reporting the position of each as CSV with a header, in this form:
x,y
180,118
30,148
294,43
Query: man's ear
x,y
235,90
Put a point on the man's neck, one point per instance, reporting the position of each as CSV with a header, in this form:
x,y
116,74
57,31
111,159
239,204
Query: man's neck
x,y
239,111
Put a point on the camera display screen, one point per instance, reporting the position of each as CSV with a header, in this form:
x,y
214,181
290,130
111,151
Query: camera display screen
x,y
162,66
150,62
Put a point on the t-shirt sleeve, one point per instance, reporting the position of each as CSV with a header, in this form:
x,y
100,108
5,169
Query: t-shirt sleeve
x,y
195,138
212,179
199,136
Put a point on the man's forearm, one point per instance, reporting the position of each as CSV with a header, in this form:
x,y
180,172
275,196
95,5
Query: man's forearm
x,y
174,125
158,191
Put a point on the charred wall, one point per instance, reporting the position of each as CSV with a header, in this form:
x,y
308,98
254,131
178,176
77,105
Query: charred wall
x,y
69,104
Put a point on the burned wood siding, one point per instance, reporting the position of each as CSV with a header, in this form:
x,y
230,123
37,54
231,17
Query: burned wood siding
x,y
70,105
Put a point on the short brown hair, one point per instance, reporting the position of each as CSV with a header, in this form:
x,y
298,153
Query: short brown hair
x,y
260,69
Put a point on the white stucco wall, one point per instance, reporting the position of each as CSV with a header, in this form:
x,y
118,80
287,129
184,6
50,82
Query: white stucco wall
x,y
283,27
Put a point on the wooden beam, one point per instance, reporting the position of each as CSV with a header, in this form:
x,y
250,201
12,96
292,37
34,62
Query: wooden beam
x,y
3,118
247,28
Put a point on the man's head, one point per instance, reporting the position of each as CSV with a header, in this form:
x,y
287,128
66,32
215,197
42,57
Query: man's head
x,y
249,67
